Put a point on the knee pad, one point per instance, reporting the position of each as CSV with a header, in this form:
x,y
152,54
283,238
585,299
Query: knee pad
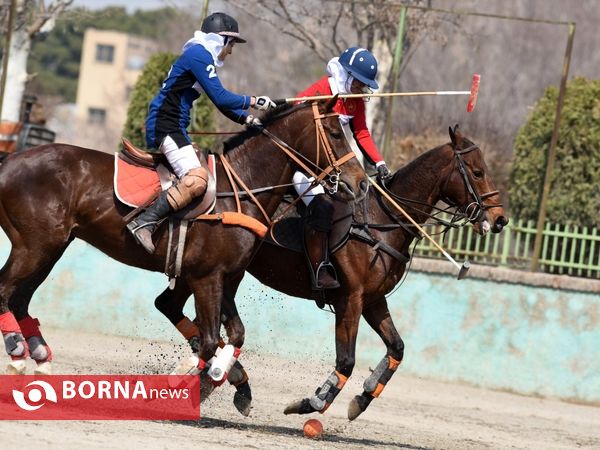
x,y
38,349
320,214
191,185
16,345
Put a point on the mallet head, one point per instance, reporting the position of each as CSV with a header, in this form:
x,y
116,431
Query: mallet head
x,y
462,273
474,92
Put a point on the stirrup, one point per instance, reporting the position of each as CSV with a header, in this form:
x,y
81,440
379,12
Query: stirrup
x,y
329,268
135,228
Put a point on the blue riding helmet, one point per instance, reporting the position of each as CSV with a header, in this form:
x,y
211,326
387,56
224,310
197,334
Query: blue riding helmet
x,y
361,64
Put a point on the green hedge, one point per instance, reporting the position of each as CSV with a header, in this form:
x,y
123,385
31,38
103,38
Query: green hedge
x,y
147,86
575,188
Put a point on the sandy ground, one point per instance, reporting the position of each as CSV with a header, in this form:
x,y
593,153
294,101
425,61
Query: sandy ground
x,y
412,413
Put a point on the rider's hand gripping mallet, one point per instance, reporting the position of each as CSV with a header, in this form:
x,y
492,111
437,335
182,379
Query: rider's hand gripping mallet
x,y
462,270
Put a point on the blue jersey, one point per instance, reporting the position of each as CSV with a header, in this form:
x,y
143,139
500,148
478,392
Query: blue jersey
x,y
192,74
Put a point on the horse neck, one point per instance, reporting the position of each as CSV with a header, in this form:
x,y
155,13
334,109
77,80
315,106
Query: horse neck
x,y
421,180
260,163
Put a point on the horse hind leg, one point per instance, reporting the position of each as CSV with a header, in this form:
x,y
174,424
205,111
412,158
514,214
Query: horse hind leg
x,y
22,274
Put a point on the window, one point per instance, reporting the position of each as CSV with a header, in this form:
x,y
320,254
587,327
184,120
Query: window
x,y
105,53
96,115
136,62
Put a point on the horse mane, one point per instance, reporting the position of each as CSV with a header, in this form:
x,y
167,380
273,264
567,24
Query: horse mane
x,y
250,132
465,142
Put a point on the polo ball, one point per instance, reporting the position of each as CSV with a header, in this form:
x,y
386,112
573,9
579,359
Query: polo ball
x,y
313,429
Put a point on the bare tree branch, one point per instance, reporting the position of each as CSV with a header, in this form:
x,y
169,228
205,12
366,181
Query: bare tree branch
x,y
46,14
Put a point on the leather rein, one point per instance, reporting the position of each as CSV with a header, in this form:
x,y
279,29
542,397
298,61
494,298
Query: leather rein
x,y
330,175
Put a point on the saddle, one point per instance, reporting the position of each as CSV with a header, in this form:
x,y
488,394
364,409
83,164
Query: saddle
x,y
288,232
140,176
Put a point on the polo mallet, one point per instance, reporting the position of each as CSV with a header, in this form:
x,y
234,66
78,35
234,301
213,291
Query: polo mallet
x,y
470,105
462,270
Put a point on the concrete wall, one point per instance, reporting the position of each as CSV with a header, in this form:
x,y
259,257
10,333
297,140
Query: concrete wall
x,y
497,334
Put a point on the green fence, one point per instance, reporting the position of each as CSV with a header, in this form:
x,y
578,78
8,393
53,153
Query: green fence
x,y
568,250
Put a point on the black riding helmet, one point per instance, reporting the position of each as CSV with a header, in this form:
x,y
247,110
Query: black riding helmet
x,y
223,24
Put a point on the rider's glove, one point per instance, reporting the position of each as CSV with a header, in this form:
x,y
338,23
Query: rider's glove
x,y
252,121
383,173
263,103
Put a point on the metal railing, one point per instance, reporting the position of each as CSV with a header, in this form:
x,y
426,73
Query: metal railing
x,y
566,249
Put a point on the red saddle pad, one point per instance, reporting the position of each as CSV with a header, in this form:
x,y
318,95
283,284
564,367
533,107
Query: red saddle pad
x,y
135,185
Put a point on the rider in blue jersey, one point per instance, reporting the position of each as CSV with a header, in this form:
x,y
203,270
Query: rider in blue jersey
x,y
194,73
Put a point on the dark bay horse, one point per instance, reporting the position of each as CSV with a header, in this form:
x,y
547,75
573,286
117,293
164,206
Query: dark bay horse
x,y
456,173
55,193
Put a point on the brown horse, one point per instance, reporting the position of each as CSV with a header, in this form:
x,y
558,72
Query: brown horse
x,y
55,193
456,173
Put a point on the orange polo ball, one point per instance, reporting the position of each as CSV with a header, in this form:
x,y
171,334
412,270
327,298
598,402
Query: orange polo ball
x,y
313,429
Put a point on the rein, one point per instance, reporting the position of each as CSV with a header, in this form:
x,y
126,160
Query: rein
x,y
477,206
331,172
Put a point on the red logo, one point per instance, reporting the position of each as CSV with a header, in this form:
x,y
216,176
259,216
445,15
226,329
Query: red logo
x,y
99,397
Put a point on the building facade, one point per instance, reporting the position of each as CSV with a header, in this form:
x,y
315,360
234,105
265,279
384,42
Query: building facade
x,y
111,62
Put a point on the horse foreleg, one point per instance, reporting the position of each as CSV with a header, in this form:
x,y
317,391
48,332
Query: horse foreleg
x,y
208,296
378,317
347,316
235,330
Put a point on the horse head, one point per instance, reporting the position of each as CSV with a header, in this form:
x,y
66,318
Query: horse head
x,y
470,187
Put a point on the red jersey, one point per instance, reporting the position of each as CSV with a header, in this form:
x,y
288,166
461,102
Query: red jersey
x,y
354,107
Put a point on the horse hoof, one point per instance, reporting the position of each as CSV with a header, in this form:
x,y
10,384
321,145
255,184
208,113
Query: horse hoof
x,y
242,399
187,366
242,403
44,368
206,386
16,367
357,406
299,407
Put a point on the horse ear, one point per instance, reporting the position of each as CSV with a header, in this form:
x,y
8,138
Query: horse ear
x,y
452,136
331,103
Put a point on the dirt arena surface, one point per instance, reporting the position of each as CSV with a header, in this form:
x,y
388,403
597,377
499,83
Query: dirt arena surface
x,y
412,413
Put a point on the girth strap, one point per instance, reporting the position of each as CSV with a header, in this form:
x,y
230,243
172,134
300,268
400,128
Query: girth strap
x,y
367,237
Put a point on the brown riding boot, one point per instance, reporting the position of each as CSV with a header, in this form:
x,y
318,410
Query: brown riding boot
x,y
322,272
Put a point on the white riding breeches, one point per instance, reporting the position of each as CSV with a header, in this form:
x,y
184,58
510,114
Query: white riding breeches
x,y
182,159
301,184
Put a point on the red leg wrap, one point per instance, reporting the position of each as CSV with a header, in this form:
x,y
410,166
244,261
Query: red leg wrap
x,y
8,323
31,329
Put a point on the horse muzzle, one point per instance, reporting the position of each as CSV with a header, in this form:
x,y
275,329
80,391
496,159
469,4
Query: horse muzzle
x,y
353,192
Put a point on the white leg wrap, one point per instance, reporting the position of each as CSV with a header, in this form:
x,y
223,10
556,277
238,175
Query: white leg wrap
x,y
221,364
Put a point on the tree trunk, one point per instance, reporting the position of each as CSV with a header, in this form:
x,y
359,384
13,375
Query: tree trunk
x,y
376,105
16,79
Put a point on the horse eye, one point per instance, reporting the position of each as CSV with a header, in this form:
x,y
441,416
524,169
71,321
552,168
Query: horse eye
x,y
478,174
336,134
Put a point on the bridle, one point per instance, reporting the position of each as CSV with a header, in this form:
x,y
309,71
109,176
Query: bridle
x,y
475,209
331,174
